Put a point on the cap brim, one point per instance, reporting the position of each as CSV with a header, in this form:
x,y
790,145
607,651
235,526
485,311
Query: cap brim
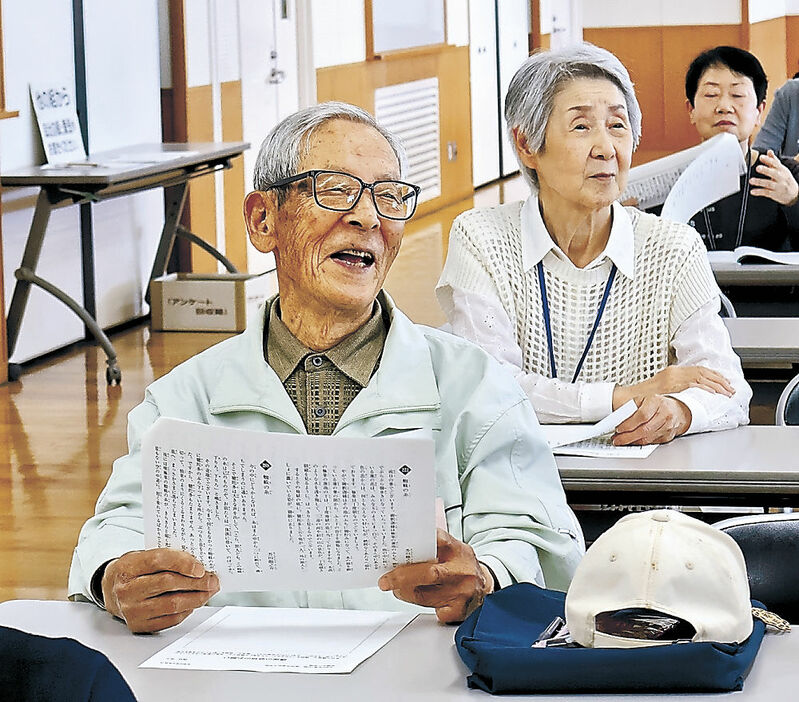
x,y
609,641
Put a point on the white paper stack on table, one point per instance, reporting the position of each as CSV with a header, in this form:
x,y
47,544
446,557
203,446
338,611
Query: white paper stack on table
x,y
269,511
687,181
594,439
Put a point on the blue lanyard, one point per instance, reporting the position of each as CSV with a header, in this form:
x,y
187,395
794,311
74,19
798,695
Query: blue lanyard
x,y
548,324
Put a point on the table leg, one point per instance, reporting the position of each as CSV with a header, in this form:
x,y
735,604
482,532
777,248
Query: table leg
x,y
174,199
184,233
112,374
30,259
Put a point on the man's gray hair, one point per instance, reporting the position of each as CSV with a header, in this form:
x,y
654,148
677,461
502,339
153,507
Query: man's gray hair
x,y
532,91
286,145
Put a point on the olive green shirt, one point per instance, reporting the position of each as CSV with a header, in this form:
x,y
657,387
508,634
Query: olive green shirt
x,y
323,384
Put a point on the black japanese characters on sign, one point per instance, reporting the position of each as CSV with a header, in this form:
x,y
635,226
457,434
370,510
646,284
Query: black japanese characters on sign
x,y
57,117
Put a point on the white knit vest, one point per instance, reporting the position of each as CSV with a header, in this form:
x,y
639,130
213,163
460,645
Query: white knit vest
x,y
672,280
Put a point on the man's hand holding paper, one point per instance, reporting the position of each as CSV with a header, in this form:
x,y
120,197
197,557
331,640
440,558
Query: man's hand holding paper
x,y
156,589
455,584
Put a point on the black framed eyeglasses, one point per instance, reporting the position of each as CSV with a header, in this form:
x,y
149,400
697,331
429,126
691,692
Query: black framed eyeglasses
x,y
341,192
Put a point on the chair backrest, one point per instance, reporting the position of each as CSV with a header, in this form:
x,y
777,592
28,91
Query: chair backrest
x,y
770,544
788,404
727,308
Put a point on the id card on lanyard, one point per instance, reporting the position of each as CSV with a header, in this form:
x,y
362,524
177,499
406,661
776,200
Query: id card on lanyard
x,y
548,323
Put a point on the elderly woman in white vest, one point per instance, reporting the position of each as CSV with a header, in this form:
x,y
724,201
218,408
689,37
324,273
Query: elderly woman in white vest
x,y
591,303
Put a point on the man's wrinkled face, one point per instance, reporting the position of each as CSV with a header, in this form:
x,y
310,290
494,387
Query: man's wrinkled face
x,y
333,261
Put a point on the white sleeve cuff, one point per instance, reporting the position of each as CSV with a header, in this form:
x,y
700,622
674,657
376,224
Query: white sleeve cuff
x,y
699,418
596,401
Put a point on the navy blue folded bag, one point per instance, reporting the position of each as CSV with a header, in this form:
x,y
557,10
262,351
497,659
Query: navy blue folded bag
x,y
495,643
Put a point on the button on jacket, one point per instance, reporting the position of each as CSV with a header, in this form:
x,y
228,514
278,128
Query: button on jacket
x,y
494,471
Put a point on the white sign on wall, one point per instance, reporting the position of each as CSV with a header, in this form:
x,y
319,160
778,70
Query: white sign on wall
x,y
57,117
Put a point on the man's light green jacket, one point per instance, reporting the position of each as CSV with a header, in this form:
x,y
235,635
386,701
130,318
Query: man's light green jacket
x,y
494,470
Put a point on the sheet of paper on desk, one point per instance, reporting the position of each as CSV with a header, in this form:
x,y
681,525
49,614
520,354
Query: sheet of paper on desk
x,y
714,174
562,434
276,640
593,439
602,447
269,511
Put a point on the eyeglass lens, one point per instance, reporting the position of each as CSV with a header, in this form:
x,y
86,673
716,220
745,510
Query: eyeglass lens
x,y
338,191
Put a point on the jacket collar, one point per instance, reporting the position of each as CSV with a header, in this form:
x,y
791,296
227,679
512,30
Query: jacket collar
x,y
536,242
403,389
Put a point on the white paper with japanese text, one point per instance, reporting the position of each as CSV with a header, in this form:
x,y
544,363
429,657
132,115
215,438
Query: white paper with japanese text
x,y
650,183
270,511
594,439
277,640
712,175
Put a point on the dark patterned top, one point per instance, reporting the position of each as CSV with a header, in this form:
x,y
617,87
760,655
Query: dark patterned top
x,y
323,384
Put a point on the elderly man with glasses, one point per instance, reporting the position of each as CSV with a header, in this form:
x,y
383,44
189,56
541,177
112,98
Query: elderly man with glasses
x,y
331,354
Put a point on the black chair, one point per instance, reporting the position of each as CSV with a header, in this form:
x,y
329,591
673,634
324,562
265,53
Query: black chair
x,y
770,544
788,404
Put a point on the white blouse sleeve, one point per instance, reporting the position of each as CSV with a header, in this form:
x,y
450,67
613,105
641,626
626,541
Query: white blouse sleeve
x,y
482,319
703,340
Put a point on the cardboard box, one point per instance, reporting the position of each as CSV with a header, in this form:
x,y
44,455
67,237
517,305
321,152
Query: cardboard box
x,y
220,302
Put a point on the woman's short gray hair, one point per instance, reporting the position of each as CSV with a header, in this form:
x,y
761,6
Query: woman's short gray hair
x,y
286,145
532,91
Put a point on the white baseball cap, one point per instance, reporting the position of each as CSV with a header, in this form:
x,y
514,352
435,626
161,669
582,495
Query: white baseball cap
x,y
666,562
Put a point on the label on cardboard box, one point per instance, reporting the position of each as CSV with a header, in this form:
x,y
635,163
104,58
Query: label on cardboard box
x,y
208,302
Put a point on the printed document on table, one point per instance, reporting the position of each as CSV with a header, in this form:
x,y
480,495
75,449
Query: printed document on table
x,y
714,174
594,439
650,183
276,640
269,511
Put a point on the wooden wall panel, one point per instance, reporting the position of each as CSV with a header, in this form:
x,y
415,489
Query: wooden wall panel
x,y
768,43
201,202
232,130
792,45
356,83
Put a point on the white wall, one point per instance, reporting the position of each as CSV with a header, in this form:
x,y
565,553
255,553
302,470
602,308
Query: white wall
x,y
657,13
761,10
339,29
124,108
339,32
458,22
792,7
198,41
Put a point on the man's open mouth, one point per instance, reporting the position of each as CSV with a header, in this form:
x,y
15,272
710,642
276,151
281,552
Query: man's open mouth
x,y
354,257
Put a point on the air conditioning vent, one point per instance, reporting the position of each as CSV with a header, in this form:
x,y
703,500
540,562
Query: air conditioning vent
x,y
410,111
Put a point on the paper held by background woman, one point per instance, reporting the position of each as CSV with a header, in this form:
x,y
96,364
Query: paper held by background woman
x,y
687,181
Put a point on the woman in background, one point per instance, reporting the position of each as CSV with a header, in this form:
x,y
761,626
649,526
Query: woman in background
x,y
725,91
590,303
